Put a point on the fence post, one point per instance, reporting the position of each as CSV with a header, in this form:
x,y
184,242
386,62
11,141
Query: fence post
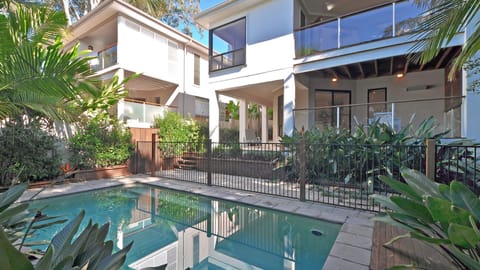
x,y
302,160
154,152
208,145
430,158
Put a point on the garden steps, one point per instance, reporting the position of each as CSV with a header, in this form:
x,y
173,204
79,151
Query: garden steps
x,y
188,161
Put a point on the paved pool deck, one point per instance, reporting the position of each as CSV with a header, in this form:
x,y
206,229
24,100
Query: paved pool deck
x,y
352,248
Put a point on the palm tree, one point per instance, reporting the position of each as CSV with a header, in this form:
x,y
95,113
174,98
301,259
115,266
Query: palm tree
x,y
37,75
445,19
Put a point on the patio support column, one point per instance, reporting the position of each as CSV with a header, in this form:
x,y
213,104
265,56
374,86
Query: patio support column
x,y
288,104
121,102
242,120
470,108
264,124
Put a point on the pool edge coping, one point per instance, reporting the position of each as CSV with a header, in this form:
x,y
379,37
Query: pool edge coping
x,y
352,247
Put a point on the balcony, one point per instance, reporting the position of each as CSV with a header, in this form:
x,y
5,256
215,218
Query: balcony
x,y
399,114
142,114
382,22
105,58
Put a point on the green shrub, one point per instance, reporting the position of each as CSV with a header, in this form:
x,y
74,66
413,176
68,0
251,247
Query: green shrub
x,y
178,135
100,142
27,152
228,135
437,214
227,150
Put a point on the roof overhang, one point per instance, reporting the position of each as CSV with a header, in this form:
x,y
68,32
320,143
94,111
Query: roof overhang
x,y
230,8
113,8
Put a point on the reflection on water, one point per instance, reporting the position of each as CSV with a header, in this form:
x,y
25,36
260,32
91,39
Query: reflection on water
x,y
185,230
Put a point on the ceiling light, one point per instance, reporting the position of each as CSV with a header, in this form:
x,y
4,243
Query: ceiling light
x,y
329,6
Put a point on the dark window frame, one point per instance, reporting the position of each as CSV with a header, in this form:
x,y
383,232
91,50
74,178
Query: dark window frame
x,y
210,47
334,114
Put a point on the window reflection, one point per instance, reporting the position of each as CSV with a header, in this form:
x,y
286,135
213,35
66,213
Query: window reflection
x,y
227,45
366,26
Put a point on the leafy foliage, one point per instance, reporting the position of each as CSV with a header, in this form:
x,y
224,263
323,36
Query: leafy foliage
x,y
232,110
370,150
176,134
37,75
87,251
447,18
458,160
100,142
437,214
27,152
228,135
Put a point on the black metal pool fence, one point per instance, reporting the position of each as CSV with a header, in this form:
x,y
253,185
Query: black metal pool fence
x,y
338,174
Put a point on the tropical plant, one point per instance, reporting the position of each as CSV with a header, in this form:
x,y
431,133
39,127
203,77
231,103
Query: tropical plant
x,y
232,110
101,142
458,160
445,19
437,214
333,155
88,250
37,74
27,151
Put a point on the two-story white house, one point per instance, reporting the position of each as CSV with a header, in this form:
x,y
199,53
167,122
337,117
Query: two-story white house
x,y
338,63
173,67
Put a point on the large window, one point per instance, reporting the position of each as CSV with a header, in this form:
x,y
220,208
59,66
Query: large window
x,y
196,69
227,45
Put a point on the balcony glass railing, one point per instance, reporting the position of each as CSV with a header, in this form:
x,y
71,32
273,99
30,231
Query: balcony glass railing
x,y
138,112
382,22
105,58
399,114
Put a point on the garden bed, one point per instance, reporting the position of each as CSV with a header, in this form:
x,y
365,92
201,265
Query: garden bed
x,y
247,168
98,173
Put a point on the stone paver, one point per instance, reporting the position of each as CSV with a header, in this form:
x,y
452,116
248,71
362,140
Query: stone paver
x,y
351,253
351,250
334,263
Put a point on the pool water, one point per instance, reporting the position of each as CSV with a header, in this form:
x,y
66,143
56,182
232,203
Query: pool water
x,y
185,230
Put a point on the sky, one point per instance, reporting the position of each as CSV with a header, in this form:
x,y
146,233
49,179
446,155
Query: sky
x,y
205,4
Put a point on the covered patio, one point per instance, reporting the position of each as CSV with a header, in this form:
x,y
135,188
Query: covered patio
x,y
392,90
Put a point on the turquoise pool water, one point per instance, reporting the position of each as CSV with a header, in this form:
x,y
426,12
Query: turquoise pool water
x,y
189,231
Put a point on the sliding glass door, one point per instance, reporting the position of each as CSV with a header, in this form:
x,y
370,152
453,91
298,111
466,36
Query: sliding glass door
x,y
326,112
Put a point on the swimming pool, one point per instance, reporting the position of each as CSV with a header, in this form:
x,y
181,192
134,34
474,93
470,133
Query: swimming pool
x,y
185,230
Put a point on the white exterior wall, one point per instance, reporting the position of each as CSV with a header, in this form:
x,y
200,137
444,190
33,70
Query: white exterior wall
x,y
269,48
144,50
